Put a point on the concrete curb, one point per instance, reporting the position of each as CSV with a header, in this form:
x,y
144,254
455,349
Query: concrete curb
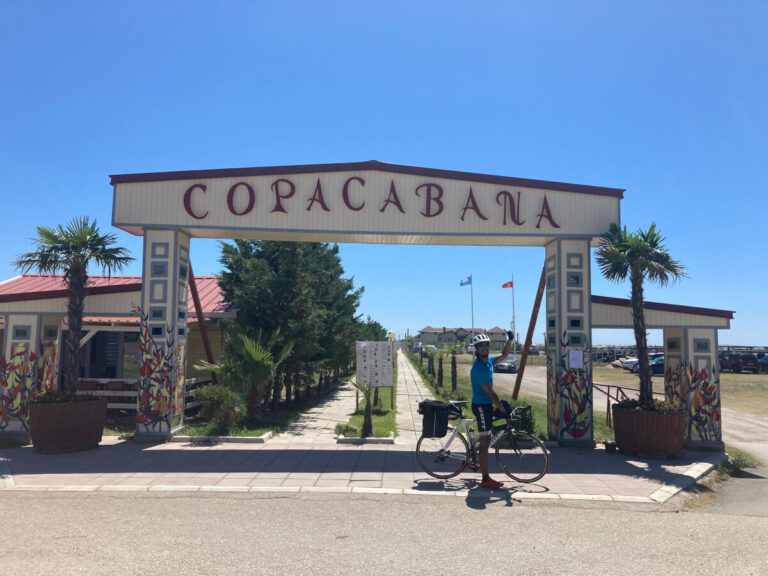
x,y
689,478
220,439
355,440
473,493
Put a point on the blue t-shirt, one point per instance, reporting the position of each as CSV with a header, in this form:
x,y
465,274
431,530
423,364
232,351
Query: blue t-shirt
x,y
481,373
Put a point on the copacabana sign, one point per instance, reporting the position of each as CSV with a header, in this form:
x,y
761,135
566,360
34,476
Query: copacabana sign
x,y
366,202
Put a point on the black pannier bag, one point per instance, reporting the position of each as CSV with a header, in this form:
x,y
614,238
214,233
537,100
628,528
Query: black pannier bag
x,y
435,418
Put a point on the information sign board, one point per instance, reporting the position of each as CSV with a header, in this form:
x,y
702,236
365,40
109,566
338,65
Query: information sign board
x,y
374,364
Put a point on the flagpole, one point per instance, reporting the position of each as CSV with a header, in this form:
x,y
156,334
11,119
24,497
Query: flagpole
x,y
472,302
514,332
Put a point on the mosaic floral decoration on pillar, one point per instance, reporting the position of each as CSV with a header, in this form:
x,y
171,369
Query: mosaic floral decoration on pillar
x,y
674,387
553,414
161,381
575,397
704,406
22,376
570,418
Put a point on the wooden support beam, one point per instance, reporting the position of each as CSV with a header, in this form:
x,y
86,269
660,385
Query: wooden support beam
x,y
529,335
201,320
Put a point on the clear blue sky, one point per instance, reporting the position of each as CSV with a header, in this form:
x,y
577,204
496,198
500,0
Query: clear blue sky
x,y
668,100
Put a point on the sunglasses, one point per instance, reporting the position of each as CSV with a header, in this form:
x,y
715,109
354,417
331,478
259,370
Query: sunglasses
x,y
482,346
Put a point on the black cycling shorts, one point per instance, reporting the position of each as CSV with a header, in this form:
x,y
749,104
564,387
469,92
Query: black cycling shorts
x,y
484,415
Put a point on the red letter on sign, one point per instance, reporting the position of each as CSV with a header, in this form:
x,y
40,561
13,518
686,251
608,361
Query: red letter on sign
x,y
345,193
430,199
392,198
508,204
188,201
471,205
278,197
318,197
231,199
546,213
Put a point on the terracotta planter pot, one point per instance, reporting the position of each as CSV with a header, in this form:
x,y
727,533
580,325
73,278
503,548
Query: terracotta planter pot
x,y
649,432
67,427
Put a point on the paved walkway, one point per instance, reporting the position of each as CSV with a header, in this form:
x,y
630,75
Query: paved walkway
x,y
306,458
318,425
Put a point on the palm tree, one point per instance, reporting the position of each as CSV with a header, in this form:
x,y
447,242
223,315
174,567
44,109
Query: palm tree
x,y
440,353
70,250
453,349
250,367
640,255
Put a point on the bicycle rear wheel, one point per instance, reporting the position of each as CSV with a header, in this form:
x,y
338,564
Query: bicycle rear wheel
x,y
439,460
521,456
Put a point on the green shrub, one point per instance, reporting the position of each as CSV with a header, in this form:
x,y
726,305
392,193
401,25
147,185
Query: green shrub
x,y
346,430
223,407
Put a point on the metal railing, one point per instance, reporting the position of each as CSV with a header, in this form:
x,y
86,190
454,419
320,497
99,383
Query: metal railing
x,y
616,393
121,394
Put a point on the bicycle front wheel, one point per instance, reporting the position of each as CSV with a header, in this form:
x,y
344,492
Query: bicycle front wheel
x,y
440,460
521,456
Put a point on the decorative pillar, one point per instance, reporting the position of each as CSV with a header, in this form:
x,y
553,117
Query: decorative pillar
x,y
21,365
163,334
569,335
692,382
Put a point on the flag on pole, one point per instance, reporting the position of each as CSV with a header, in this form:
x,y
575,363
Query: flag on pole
x,y
466,281
509,284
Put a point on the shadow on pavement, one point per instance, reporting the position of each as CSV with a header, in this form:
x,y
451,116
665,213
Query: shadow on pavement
x,y
132,457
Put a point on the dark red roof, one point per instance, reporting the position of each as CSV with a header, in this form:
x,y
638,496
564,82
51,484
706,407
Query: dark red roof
x,y
360,166
665,307
40,287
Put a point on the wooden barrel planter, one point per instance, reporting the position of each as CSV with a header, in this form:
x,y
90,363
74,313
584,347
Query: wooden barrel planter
x,y
649,432
67,426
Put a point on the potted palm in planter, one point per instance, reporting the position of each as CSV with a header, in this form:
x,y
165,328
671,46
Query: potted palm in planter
x,y
60,420
644,425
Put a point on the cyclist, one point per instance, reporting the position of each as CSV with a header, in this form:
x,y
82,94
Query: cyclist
x,y
484,398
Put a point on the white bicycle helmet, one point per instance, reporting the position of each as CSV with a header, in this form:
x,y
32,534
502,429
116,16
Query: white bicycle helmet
x,y
480,338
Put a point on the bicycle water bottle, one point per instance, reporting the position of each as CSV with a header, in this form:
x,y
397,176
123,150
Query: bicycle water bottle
x,y
474,442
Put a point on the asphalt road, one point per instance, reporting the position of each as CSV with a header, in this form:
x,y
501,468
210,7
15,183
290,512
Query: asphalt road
x,y
290,534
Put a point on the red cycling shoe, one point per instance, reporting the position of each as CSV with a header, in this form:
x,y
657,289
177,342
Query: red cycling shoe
x,y
491,483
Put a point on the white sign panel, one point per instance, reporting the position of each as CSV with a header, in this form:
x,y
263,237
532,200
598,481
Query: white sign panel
x,y
576,359
374,364
366,202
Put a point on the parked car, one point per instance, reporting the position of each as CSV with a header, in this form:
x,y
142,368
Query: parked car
x,y
656,365
510,365
631,364
427,349
534,351
763,363
627,363
739,362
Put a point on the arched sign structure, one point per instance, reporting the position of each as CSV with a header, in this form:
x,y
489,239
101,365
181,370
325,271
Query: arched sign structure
x,y
373,202
365,202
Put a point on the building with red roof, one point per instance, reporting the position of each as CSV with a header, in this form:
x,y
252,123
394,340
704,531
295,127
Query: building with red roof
x,y
109,346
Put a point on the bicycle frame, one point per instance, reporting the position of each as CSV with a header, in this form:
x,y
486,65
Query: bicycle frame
x,y
472,439
462,427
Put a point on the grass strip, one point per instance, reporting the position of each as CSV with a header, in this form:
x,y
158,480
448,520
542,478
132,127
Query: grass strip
x,y
383,413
